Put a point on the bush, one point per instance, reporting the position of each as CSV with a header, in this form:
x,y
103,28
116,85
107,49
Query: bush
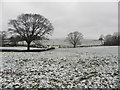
x,y
112,40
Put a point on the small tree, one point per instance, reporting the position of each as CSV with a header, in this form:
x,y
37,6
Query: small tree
x,y
101,38
3,37
0,38
75,38
31,27
108,39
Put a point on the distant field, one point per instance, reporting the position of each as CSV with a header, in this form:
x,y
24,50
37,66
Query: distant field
x,y
63,42
93,67
91,42
17,48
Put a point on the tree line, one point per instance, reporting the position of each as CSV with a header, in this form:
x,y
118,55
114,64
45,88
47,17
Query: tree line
x,y
110,40
33,27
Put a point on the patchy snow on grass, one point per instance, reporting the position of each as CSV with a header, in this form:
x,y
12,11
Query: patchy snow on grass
x,y
61,68
18,48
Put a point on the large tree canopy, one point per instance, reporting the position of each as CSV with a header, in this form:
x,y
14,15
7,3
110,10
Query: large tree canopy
x,y
74,38
31,27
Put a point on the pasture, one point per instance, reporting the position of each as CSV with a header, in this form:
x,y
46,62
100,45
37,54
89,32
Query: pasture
x,y
87,67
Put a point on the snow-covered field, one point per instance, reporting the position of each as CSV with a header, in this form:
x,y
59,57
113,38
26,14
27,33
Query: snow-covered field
x,y
93,67
17,48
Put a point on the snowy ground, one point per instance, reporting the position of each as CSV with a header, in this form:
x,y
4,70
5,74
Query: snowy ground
x,y
17,48
93,67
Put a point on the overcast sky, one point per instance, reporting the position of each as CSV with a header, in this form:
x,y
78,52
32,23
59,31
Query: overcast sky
x,y
90,18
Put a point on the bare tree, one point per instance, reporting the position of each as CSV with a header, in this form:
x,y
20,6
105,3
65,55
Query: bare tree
x,y
75,38
101,38
3,37
31,27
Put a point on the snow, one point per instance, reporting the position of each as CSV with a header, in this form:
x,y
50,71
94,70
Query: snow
x,y
18,48
93,67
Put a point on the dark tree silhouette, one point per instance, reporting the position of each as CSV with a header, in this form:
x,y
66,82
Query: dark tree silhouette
x,y
112,39
3,37
75,38
31,27
101,38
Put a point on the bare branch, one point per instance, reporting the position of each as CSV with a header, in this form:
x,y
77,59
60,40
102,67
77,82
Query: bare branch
x,y
31,26
74,38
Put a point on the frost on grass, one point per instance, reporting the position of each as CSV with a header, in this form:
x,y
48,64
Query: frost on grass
x,y
61,68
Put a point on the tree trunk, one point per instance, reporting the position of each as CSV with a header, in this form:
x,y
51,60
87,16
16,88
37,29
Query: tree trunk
x,y
101,42
74,45
28,46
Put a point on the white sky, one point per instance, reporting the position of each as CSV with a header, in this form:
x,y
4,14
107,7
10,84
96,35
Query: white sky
x,y
89,18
